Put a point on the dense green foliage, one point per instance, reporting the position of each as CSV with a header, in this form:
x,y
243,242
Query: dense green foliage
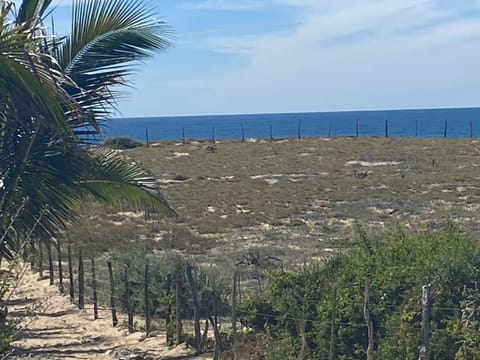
x,y
396,266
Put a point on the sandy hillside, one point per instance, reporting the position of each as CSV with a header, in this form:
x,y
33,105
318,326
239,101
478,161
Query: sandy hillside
x,y
55,329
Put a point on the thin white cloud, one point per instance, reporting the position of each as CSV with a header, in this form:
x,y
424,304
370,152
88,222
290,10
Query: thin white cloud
x,y
346,54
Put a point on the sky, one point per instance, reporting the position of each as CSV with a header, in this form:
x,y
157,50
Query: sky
x,y
270,56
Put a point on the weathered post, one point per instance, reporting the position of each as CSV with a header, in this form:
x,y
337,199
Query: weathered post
x,y
196,308
183,136
357,130
112,295
330,128
51,275
146,136
60,269
81,282
445,130
70,272
425,349
332,325
271,131
40,261
178,307
386,128
243,133
236,355
94,286
368,320
147,298
299,130
471,129
128,301
213,135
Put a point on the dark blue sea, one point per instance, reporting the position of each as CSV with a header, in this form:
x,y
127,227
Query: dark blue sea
x,y
429,123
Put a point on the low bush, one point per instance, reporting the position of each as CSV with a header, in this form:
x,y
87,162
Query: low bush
x,y
122,143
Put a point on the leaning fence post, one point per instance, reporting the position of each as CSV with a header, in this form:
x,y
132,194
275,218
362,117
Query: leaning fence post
x,y
51,275
112,295
128,301
94,286
368,320
81,282
147,299
425,349
70,272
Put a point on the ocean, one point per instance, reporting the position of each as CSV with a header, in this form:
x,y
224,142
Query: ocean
x,y
428,123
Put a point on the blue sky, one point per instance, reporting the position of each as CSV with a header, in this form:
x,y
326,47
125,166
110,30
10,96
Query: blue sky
x,y
256,56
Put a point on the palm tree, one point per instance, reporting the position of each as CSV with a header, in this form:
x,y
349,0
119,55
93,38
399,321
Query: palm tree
x,y
55,93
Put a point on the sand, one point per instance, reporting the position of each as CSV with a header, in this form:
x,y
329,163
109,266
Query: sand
x,y
54,328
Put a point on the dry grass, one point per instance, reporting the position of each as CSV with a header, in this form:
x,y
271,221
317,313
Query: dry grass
x,y
298,199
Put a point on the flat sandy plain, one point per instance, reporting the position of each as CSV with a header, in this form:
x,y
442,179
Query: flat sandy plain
x,y
297,199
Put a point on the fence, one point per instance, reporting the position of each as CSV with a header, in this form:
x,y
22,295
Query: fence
x,y
131,286
301,129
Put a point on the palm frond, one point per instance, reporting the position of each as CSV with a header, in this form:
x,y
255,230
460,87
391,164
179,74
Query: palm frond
x,y
107,38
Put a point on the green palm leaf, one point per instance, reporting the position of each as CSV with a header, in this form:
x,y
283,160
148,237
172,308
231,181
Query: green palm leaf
x,y
107,38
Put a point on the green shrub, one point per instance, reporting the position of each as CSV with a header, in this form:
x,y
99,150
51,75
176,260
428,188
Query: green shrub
x,y
397,265
122,143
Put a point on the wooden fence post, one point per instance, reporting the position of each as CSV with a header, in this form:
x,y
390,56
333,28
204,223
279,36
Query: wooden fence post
x,y
128,301
445,130
196,309
112,295
330,128
146,136
51,275
147,299
81,282
243,133
471,129
368,320
213,135
236,355
40,260
94,285
60,268
178,309
332,325
299,132
386,128
271,131
70,272
425,349
357,129
168,314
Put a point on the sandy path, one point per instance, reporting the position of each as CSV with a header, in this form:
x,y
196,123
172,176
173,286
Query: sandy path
x,y
55,329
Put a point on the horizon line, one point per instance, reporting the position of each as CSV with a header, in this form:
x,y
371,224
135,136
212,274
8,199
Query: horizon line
x,y
297,112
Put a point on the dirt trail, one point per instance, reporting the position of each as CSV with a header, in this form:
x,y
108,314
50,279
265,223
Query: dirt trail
x,y
55,329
